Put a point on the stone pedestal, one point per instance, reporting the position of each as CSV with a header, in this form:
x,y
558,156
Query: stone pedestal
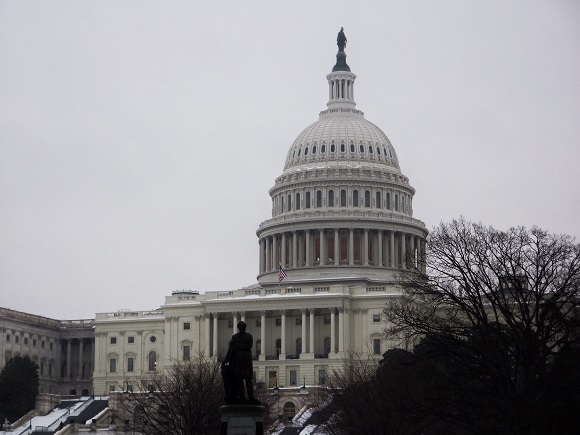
x,y
242,419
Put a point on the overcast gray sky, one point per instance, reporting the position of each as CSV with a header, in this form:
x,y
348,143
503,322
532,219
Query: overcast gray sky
x,y
138,139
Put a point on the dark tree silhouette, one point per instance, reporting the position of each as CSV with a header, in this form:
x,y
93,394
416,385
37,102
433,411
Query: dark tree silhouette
x,y
184,400
499,314
18,387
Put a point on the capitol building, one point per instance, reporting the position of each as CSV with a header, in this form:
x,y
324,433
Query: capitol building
x,y
341,230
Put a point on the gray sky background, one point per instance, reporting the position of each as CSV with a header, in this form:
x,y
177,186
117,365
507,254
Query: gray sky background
x,y
138,139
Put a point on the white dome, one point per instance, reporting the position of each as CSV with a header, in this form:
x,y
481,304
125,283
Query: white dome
x,y
342,135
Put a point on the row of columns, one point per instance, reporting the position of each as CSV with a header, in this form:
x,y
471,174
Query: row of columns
x,y
81,359
339,328
298,249
341,88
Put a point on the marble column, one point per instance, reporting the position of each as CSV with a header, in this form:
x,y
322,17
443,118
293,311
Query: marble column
x,y
68,358
268,255
351,246
336,247
81,350
303,336
294,249
332,331
308,249
366,247
215,351
262,356
380,248
403,251
341,330
311,323
283,251
322,248
392,247
283,335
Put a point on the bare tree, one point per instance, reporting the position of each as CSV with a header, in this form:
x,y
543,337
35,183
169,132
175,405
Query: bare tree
x,y
501,306
184,400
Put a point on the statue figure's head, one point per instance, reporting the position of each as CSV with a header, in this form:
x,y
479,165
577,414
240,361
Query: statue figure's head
x,y
242,326
342,29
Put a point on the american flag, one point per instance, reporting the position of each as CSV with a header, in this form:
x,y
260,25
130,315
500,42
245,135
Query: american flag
x,y
281,274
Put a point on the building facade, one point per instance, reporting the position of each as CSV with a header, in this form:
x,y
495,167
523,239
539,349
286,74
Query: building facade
x,y
342,227
62,349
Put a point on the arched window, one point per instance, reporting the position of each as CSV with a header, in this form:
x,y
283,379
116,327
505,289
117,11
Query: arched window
x,y
152,358
370,149
362,148
323,149
378,151
331,198
299,151
342,147
378,200
319,198
352,148
343,198
297,205
355,198
396,202
289,202
326,345
307,205
298,346
314,149
332,147
388,201
306,151
367,198
289,411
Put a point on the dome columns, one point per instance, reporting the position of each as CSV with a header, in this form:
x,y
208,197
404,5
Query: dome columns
x,y
341,246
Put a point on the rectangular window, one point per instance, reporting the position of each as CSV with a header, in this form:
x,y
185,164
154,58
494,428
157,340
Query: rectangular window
x,y
278,322
26,341
377,346
186,353
130,362
322,377
376,318
50,369
50,346
130,388
8,338
113,365
112,387
298,321
34,342
327,320
258,322
186,326
41,368
130,339
113,340
42,344
293,377
16,339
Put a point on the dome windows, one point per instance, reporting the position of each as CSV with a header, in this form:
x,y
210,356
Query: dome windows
x,y
331,197
352,148
314,149
305,151
323,149
378,200
318,198
332,147
342,147
343,194
367,198
299,151
370,149
355,198
362,148
297,206
307,200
